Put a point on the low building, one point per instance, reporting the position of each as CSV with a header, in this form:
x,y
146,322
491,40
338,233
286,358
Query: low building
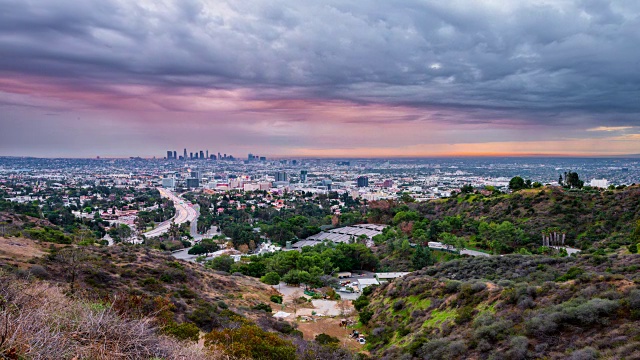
x,y
363,283
388,276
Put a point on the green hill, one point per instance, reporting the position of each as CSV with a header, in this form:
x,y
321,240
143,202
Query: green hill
x,y
509,307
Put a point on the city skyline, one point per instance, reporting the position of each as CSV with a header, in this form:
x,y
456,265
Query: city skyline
x,y
402,79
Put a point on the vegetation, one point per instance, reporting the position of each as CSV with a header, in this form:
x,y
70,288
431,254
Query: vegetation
x,y
509,307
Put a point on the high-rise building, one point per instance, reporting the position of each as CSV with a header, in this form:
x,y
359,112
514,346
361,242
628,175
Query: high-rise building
x,y
185,154
190,156
363,181
201,154
281,176
168,182
250,157
175,155
169,155
303,175
193,183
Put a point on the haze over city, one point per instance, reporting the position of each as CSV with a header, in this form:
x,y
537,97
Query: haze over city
x,y
330,79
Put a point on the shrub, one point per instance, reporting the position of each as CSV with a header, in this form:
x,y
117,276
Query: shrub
x,y
271,278
39,272
222,305
184,331
571,274
633,248
325,339
587,353
464,315
263,307
398,305
276,299
360,302
517,348
452,286
251,342
365,316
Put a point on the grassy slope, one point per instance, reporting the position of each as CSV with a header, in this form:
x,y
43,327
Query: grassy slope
x,y
138,273
584,215
521,312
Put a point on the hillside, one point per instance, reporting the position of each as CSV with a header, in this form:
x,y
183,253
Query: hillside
x,y
510,307
136,289
589,218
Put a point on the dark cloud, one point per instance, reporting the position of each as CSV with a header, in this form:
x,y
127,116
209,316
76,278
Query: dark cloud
x,y
532,62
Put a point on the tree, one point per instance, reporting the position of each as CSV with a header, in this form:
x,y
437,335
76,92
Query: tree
x,y
204,247
572,180
296,277
517,183
221,263
421,257
73,260
271,278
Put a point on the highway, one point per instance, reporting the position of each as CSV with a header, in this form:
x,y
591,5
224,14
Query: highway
x,y
184,212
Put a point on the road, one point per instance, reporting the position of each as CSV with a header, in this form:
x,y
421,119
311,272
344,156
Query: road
x,y
184,212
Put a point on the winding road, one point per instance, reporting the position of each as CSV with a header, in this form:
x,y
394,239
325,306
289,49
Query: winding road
x,y
184,212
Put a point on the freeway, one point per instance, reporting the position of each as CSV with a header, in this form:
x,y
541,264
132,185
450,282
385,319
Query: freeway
x,y
184,212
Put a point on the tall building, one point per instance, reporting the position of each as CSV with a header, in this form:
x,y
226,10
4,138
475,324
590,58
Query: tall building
x,y
168,182
281,176
190,156
303,176
169,155
185,154
207,154
201,154
193,183
175,154
250,157
363,181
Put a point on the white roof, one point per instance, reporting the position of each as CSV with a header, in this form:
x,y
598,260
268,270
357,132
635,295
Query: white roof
x,y
369,281
281,314
391,275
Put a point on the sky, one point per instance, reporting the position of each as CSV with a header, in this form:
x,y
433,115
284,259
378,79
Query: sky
x,y
379,78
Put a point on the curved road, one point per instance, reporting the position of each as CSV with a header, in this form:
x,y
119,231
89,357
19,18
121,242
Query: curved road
x,y
184,212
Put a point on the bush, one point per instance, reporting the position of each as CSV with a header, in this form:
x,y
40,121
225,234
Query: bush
x,y
398,305
464,315
517,348
276,299
365,316
271,278
325,339
587,353
251,342
263,307
184,331
360,302
571,274
221,263
633,248
39,272
452,286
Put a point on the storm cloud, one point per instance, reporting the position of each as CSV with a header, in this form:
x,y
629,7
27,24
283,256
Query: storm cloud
x,y
426,72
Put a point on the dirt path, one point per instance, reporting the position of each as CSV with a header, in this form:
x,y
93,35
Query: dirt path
x,y
330,327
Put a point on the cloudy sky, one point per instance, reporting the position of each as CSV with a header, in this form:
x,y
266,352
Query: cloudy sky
x,y
319,78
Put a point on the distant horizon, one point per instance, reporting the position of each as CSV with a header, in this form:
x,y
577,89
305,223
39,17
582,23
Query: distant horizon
x,y
561,156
